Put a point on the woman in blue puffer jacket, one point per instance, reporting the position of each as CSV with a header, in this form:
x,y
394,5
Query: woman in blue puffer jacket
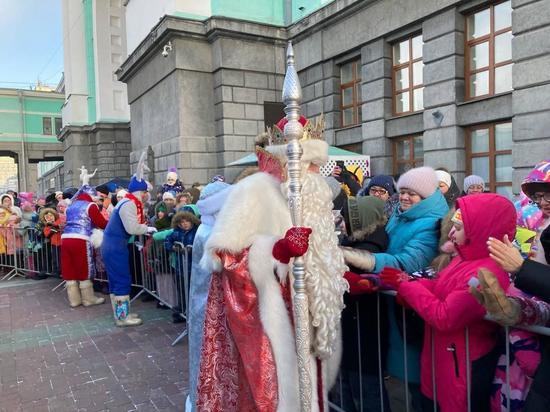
x,y
413,230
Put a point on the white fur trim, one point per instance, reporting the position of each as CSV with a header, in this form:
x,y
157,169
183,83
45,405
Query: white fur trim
x,y
281,269
331,366
314,151
96,238
276,322
255,206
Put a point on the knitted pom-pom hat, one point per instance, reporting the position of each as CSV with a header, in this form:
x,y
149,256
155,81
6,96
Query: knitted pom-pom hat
x,y
473,180
421,180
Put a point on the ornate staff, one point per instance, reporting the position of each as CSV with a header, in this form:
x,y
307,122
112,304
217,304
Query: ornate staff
x,y
292,97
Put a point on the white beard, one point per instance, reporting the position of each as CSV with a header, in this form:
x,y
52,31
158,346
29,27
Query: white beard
x,y
324,264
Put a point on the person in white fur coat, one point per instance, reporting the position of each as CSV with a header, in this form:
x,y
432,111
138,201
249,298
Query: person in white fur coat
x,y
248,358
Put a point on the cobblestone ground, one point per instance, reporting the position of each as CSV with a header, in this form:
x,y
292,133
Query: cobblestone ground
x,y
54,358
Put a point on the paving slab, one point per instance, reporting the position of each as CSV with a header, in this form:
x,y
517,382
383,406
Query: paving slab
x,y
59,359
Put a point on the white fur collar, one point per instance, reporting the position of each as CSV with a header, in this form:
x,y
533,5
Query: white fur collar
x,y
254,207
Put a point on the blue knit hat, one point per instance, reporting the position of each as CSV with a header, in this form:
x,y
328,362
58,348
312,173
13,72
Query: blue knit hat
x,y
382,181
137,185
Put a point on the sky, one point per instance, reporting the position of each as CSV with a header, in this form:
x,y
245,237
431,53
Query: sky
x,y
31,42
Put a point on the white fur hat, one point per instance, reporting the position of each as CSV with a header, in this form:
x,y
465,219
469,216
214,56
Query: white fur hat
x,y
172,173
443,176
168,195
314,151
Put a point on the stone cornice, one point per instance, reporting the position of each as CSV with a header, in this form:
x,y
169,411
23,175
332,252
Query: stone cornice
x,y
328,15
228,27
208,30
91,128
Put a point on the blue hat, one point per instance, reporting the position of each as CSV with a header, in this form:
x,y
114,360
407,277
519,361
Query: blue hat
x,y
89,190
213,188
137,185
384,181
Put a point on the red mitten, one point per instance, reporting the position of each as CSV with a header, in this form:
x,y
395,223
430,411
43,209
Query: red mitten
x,y
294,244
359,285
391,278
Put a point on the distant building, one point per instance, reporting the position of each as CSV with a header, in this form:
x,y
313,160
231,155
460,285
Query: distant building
x,y
8,171
29,121
96,115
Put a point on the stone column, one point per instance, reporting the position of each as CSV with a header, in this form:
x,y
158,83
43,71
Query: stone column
x,y
443,56
376,93
531,83
32,177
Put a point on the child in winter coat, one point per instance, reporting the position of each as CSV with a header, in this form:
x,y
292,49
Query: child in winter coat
x,y
185,226
163,216
50,226
525,355
451,313
10,239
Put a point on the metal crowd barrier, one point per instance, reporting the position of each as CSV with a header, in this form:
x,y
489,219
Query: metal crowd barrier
x,y
165,275
336,397
161,273
27,251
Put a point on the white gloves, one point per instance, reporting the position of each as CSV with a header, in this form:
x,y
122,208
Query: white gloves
x,y
151,230
361,259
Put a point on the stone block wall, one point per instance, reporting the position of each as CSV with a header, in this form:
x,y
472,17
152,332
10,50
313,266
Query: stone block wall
x,y
531,82
105,146
239,98
203,107
443,57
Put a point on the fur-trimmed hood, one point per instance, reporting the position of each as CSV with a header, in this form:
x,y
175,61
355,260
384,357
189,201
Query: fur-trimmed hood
x,y
45,210
210,206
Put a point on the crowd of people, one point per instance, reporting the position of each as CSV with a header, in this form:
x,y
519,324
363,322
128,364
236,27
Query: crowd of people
x,y
452,257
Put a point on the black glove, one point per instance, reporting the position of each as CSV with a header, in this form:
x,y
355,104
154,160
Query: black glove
x,y
545,242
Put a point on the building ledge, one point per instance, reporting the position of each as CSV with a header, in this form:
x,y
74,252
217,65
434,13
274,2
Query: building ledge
x,y
91,128
207,30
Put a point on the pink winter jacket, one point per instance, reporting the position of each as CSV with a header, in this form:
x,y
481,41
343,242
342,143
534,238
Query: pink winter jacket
x,y
448,308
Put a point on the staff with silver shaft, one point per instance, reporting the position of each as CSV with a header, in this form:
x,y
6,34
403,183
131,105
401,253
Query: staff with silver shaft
x,y
292,97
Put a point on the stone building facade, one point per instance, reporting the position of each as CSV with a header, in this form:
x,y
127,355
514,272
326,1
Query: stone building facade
x,y
469,100
96,116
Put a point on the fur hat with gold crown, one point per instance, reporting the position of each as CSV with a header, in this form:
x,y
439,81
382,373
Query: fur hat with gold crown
x,y
271,146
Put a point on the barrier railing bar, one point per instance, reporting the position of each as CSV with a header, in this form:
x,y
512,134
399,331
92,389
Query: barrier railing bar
x,y
468,377
406,366
380,371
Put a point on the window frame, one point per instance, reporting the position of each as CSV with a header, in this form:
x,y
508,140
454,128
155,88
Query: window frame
x,y
491,154
55,119
413,160
490,39
353,84
45,120
409,64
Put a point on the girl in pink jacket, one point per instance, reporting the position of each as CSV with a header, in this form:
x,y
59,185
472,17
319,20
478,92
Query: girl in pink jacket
x,y
453,315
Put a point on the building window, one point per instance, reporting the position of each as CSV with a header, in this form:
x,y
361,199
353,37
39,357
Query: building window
x,y
408,152
350,91
489,51
408,81
47,125
58,125
273,112
489,155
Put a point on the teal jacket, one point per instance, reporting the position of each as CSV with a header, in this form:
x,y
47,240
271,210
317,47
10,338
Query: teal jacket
x,y
414,235
414,239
